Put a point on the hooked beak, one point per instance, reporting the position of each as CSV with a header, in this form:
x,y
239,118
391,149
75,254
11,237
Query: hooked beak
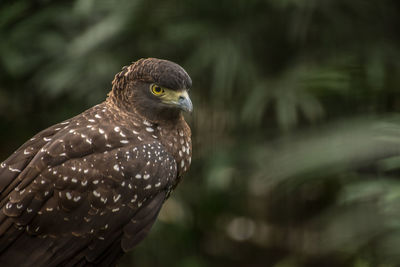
x,y
179,99
184,102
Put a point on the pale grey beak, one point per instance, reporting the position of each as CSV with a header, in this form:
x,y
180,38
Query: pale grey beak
x,y
185,103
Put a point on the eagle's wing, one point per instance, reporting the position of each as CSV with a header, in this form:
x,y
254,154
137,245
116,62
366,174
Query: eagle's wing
x,y
12,167
73,192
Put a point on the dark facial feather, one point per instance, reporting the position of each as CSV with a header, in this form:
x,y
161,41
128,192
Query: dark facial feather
x,y
131,87
161,72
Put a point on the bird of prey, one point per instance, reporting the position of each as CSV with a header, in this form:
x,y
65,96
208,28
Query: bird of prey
x,y
86,190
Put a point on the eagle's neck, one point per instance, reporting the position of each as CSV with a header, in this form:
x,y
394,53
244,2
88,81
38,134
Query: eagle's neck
x,y
174,135
176,138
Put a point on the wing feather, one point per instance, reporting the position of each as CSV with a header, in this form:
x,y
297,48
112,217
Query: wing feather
x,y
95,186
141,223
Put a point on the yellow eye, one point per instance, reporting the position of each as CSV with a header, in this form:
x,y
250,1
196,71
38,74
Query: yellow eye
x,y
156,90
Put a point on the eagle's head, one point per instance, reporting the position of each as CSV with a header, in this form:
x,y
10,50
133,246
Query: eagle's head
x,y
155,88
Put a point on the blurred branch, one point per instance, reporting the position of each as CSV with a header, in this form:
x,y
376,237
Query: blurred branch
x,y
330,150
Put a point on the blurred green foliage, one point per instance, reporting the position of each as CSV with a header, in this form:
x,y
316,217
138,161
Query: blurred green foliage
x,y
296,137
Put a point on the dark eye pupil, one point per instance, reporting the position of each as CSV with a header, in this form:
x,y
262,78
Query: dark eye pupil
x,y
157,89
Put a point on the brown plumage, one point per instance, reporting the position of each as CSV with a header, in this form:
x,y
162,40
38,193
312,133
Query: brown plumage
x,y
86,190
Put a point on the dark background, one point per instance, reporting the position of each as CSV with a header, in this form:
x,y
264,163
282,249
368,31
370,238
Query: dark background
x,y
296,133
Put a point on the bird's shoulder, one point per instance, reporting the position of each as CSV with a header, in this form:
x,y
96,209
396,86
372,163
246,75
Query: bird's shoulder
x,y
98,129
91,165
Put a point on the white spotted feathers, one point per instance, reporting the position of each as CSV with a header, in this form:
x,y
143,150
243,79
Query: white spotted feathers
x,y
94,182
130,165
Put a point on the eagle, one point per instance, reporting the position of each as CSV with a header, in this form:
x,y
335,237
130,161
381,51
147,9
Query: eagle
x,y
88,189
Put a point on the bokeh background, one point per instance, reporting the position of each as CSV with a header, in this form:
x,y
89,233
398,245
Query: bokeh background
x,y
296,128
